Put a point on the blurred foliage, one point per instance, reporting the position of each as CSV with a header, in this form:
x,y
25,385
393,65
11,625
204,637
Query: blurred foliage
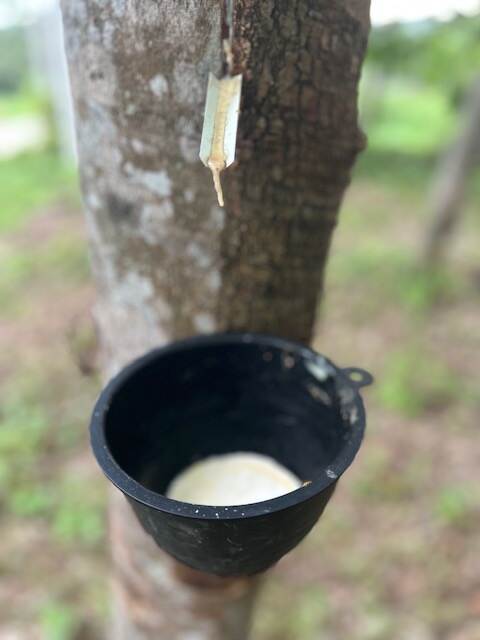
x,y
13,59
415,79
444,55
410,119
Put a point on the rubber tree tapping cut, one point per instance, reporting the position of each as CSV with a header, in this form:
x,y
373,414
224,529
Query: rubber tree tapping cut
x,y
167,260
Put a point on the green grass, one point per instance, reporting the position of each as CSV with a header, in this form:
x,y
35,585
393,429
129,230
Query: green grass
x,y
58,621
388,479
32,427
30,181
22,103
457,505
303,616
78,517
310,614
58,260
30,501
375,620
392,276
416,381
22,432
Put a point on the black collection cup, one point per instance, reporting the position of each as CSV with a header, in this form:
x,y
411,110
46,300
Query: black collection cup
x,y
225,393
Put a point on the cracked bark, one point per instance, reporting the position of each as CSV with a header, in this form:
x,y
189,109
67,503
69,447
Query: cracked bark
x,y
168,262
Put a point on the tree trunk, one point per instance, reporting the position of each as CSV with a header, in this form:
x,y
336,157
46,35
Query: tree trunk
x,y
450,182
168,261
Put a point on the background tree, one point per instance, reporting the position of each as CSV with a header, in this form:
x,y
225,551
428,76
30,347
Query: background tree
x,y
168,261
449,186
428,58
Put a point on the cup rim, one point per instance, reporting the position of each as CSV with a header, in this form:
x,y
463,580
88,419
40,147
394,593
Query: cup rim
x,y
139,493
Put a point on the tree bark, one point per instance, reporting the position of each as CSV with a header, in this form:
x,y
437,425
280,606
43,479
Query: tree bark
x,y
168,262
449,185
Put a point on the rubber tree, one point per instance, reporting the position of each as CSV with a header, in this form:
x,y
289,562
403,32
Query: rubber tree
x,y
168,262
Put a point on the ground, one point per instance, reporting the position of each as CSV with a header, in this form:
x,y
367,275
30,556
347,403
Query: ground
x,y
396,555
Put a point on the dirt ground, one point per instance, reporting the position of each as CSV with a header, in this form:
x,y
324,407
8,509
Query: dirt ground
x,y
396,555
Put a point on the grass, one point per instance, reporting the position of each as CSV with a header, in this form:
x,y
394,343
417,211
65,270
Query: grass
x,y
395,273
23,430
300,616
33,179
415,381
58,621
79,517
457,505
59,259
23,103
383,482
40,487
30,181
33,426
